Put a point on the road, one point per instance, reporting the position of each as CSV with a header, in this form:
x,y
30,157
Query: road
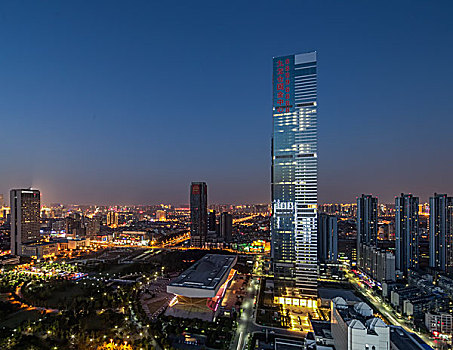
x,y
385,310
247,324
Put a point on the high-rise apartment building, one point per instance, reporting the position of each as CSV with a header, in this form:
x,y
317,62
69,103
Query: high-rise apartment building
x,y
441,232
226,227
112,219
406,233
25,218
367,225
294,173
327,238
198,213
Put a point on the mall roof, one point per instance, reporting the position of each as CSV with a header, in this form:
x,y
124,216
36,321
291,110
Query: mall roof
x,y
204,278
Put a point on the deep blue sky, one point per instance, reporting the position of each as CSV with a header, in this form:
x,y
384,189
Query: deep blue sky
x,y
129,101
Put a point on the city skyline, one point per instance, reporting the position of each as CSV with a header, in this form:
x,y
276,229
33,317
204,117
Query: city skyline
x,y
98,128
226,176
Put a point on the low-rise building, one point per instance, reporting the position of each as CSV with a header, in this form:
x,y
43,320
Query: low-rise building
x,y
199,290
355,328
40,249
446,283
439,322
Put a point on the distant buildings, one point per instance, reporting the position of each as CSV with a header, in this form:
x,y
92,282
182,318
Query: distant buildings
x,y
112,219
226,227
327,238
93,226
406,233
25,218
294,173
441,232
198,213
367,225
161,215
75,226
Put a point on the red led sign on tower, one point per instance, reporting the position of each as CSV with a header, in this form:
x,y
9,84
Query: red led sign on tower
x,y
283,79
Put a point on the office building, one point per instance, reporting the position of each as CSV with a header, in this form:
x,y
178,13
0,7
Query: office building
x,y
25,220
226,227
294,173
441,232
406,233
367,225
327,238
198,213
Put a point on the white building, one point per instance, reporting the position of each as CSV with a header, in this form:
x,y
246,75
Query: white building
x,y
440,322
355,328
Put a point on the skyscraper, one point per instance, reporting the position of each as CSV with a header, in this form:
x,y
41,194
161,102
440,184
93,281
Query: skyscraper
x,y
327,238
367,225
226,227
25,218
294,173
441,232
198,213
406,232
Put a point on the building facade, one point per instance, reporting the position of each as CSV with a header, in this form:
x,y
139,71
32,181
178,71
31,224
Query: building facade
x,y
198,213
327,238
25,218
441,232
440,322
212,223
406,233
294,172
355,328
367,225
226,227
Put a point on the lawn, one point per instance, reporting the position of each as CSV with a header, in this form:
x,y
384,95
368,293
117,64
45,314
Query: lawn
x,y
15,319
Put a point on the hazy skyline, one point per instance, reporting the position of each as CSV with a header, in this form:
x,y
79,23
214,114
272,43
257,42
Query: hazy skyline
x,y
110,102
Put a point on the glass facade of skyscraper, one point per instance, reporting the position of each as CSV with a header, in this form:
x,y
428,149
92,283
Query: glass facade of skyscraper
x,y
294,172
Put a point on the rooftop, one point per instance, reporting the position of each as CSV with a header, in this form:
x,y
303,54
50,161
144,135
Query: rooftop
x,y
405,340
331,293
206,273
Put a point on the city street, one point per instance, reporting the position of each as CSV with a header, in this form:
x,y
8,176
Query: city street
x,y
384,309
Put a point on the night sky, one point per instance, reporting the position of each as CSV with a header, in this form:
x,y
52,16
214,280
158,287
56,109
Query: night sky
x,y
127,102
